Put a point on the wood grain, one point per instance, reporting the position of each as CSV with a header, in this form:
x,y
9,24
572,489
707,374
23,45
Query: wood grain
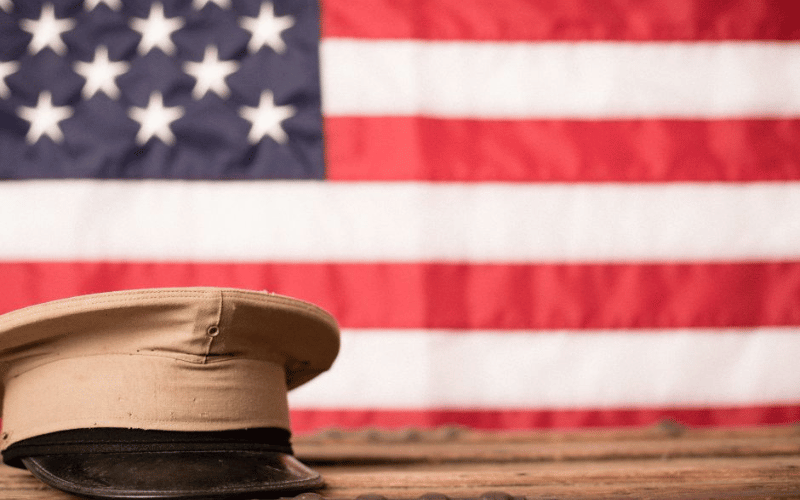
x,y
663,462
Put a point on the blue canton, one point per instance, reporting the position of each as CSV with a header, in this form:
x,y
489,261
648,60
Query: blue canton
x,y
177,89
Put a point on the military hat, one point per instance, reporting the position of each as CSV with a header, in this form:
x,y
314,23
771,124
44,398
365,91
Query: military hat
x,y
161,393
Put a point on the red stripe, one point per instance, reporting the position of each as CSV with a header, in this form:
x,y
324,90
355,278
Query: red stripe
x,y
573,20
479,296
415,148
304,421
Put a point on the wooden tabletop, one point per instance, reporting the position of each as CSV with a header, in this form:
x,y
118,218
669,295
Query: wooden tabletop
x,y
665,461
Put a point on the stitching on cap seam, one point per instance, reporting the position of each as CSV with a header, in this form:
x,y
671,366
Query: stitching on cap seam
x,y
282,299
87,301
289,302
111,298
213,360
218,317
247,422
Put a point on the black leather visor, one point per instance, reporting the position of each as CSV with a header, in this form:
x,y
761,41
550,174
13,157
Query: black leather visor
x,y
111,463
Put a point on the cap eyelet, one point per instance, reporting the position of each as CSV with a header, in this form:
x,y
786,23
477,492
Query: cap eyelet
x,y
212,331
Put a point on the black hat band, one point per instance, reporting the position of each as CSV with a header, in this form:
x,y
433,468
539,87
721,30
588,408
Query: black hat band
x,y
116,440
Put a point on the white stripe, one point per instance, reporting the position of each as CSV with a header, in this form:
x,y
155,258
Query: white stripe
x,y
562,369
560,80
315,221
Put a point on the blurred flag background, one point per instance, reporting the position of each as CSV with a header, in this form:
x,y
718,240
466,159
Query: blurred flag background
x,y
523,213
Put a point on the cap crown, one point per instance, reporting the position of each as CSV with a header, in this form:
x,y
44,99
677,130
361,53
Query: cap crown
x,y
169,359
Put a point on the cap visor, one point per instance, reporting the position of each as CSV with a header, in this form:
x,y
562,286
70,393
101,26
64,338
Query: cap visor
x,y
175,474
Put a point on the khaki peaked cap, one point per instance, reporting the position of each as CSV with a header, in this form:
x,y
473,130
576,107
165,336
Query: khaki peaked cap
x,y
174,359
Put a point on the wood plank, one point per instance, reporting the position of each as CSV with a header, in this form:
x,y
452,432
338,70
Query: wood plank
x,y
663,462
21,485
671,478
447,445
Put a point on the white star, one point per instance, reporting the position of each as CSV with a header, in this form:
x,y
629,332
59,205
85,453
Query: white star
x,y
6,5
223,4
112,4
100,74
154,120
266,119
47,30
266,29
156,30
44,118
6,69
210,74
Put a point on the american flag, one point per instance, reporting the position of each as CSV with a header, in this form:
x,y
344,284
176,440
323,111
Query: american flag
x,y
523,213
